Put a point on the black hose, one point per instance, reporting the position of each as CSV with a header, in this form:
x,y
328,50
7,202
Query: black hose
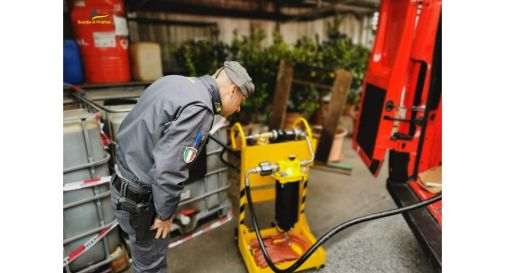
x,y
327,235
330,233
230,150
221,154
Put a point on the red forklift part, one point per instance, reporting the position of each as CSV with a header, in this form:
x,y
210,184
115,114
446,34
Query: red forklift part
x,y
403,86
399,78
384,80
435,208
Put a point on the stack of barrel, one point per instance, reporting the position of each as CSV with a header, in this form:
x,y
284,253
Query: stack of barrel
x,y
101,31
100,51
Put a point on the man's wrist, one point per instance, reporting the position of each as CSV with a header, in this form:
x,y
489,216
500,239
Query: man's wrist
x,y
165,218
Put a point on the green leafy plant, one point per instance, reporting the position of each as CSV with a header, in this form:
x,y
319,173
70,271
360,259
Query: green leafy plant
x,y
316,62
201,57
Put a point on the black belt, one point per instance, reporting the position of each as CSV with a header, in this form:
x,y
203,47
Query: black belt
x,y
132,192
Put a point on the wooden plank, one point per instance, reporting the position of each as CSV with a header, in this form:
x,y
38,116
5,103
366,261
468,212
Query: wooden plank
x,y
320,166
282,92
341,87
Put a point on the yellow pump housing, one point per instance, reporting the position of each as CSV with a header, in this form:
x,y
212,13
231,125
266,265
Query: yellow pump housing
x,y
290,171
288,156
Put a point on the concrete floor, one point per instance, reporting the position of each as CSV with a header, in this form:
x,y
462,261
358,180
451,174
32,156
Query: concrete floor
x,y
385,245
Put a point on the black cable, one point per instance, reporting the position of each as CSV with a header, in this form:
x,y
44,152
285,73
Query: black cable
x,y
330,233
226,148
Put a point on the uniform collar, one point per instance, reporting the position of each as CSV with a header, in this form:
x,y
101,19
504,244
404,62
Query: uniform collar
x,y
211,86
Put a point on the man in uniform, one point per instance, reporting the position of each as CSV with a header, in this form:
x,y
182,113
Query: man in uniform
x,y
156,142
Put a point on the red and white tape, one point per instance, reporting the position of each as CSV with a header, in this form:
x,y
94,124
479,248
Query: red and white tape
x,y
89,244
203,230
105,138
86,183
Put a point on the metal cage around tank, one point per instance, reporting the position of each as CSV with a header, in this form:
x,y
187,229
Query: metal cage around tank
x,y
205,193
87,210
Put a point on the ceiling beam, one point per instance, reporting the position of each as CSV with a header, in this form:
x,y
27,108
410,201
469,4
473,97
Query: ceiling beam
x,y
258,12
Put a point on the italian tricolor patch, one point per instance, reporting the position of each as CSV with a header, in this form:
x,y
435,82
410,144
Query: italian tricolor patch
x,y
189,154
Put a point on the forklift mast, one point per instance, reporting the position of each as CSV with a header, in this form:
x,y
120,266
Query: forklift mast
x,y
400,109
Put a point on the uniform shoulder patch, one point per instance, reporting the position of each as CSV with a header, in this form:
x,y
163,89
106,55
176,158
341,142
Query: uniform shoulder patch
x,y
189,154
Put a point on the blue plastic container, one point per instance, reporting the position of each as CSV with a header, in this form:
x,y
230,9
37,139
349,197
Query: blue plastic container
x,y
72,64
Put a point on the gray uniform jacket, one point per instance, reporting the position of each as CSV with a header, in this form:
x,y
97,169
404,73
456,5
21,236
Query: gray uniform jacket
x,y
163,133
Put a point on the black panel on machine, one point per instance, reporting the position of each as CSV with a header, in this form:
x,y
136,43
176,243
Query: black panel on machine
x,y
370,118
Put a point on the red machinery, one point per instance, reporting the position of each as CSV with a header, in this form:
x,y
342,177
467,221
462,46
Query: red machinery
x,y
404,75
102,34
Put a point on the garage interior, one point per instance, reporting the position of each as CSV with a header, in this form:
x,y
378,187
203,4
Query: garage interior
x,y
368,85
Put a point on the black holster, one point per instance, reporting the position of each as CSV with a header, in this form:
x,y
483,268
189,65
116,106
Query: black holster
x,y
141,217
142,212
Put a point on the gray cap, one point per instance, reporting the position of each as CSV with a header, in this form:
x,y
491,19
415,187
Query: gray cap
x,y
238,75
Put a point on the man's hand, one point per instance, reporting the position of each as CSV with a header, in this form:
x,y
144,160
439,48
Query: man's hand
x,y
162,226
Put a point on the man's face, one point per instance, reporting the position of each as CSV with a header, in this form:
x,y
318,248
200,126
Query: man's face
x,y
231,101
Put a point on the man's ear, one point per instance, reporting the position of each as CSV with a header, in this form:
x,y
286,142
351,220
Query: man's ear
x,y
233,89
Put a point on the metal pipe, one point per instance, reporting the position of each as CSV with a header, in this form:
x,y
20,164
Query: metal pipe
x,y
87,233
305,162
77,118
89,199
216,171
205,187
87,165
215,152
99,107
67,268
205,195
96,192
89,152
253,170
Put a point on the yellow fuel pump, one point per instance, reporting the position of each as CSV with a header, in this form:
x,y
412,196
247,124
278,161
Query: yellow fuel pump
x,y
275,167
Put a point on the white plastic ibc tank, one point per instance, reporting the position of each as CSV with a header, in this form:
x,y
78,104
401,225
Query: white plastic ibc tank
x,y
209,195
214,149
146,61
85,211
75,147
114,105
117,109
